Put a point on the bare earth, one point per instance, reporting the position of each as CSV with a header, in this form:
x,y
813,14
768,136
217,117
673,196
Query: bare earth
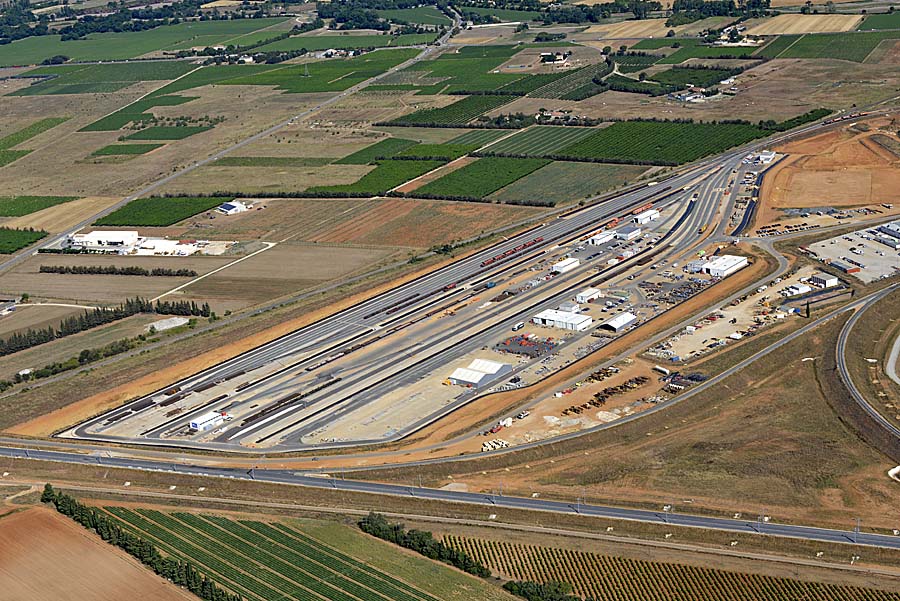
x,y
47,557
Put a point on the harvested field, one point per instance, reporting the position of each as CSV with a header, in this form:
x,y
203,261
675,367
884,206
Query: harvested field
x,y
838,168
47,557
35,317
61,217
264,180
647,28
792,24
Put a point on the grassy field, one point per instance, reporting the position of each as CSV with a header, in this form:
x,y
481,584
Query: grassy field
x,y
17,206
633,64
621,579
691,48
159,211
880,21
126,149
272,162
136,111
458,113
8,155
470,69
541,140
387,175
506,14
845,46
167,133
682,77
327,75
659,143
12,240
479,136
299,560
482,177
348,42
563,182
125,45
83,79
425,15
383,148
776,46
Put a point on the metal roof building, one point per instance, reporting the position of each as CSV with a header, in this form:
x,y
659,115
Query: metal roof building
x,y
563,320
724,265
619,322
479,373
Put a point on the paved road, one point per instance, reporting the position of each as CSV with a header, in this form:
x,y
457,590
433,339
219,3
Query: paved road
x,y
891,367
492,501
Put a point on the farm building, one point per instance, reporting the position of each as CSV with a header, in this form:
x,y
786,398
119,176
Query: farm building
x,y
602,238
479,373
105,241
565,265
619,322
724,265
232,207
207,421
628,233
823,280
646,217
587,295
563,320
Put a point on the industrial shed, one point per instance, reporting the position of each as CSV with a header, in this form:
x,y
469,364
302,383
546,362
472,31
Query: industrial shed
x,y
563,320
587,295
602,238
479,373
724,265
619,322
628,233
565,265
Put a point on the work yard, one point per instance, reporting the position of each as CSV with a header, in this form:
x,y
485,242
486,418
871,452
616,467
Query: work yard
x,y
48,557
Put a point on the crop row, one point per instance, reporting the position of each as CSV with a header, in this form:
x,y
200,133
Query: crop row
x,y
572,81
16,206
387,175
458,113
480,178
160,211
540,140
622,579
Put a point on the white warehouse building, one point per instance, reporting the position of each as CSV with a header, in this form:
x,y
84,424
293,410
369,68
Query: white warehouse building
x,y
724,265
479,373
646,217
824,280
563,320
587,295
628,233
565,265
619,322
602,238
207,421
105,240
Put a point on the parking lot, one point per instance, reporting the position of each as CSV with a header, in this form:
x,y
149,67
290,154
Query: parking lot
x,y
868,254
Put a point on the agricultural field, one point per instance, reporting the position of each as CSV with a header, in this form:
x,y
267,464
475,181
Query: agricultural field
x,y
854,47
387,175
12,240
267,561
468,69
159,211
47,557
880,21
480,178
479,137
540,140
573,81
383,148
794,24
446,152
262,161
126,149
623,579
109,77
683,77
424,15
126,45
175,132
659,143
136,111
563,182
777,46
505,14
633,64
458,113
8,155
17,206
348,42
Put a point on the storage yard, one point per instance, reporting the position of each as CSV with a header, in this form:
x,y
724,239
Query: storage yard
x,y
868,255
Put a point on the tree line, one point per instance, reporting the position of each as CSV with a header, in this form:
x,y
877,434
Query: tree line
x,y
422,542
115,270
99,316
179,572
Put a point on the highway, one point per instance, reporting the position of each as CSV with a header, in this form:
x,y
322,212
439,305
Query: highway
x,y
493,501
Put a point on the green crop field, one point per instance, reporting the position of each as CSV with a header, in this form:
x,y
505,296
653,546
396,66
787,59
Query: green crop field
x,y
168,133
347,42
12,240
467,70
530,83
659,143
540,140
606,577
386,176
447,152
845,46
82,79
425,15
506,14
132,44
683,77
776,46
17,206
272,162
478,179
572,81
136,111
479,136
160,211
327,75
126,149
880,21
8,155
383,148
563,182
633,64
458,113
298,560
691,48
